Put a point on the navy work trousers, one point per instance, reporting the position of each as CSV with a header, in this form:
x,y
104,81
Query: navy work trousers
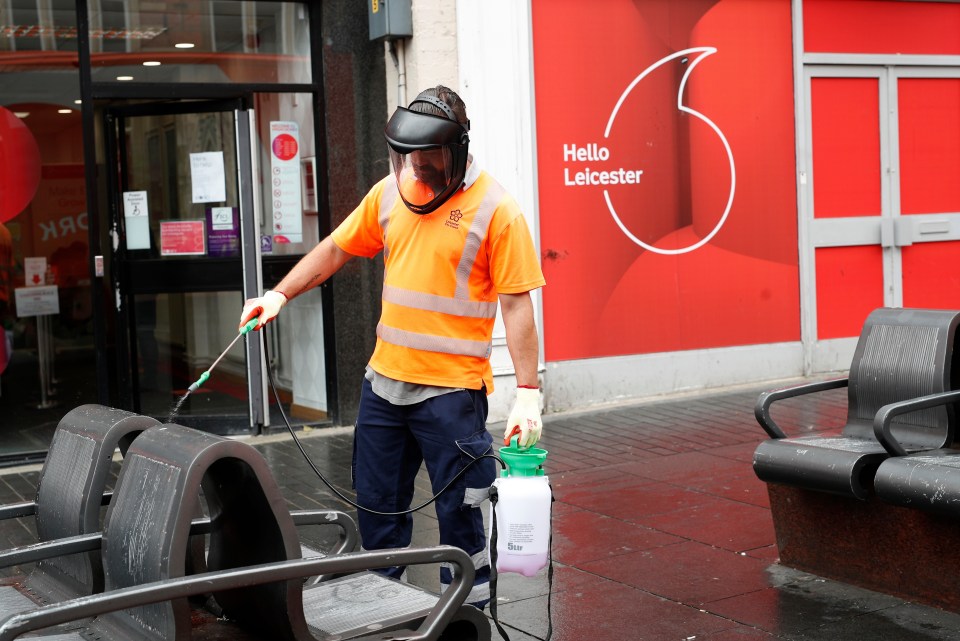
x,y
446,432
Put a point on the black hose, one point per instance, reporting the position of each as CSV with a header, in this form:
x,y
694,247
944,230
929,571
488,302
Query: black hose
x,y
316,470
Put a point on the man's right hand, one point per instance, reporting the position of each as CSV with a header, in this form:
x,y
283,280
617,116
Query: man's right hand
x,y
265,307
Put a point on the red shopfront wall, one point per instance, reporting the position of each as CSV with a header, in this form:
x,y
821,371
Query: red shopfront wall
x,y
898,171
701,250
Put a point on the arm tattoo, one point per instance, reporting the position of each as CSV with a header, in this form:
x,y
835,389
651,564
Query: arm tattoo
x,y
309,284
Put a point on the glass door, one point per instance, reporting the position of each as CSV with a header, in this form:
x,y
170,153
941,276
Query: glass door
x,y
186,255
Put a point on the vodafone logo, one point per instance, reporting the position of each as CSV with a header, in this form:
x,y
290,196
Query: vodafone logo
x,y
593,164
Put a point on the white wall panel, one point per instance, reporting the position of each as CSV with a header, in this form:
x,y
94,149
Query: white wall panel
x,y
496,82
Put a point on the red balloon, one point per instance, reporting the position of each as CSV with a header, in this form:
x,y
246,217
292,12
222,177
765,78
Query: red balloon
x,y
19,165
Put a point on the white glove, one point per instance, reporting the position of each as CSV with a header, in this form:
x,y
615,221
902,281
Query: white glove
x,y
524,418
266,308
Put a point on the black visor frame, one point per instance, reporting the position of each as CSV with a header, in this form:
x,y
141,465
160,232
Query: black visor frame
x,y
408,131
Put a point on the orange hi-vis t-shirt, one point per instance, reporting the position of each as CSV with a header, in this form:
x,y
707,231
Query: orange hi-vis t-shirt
x,y
443,272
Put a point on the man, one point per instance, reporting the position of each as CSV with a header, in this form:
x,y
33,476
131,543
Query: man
x,y
454,242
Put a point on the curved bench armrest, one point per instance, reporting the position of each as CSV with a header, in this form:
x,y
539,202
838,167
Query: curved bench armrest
x,y
349,534
430,628
762,409
883,421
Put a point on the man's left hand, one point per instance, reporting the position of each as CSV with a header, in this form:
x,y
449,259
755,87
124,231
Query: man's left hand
x,y
524,418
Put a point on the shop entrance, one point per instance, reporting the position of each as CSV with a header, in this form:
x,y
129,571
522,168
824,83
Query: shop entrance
x,y
185,256
883,203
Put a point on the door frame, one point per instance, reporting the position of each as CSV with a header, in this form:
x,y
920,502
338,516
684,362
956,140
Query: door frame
x,y
215,272
889,230
834,354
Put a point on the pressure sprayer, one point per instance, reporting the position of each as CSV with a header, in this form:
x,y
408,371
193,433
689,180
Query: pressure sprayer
x,y
520,510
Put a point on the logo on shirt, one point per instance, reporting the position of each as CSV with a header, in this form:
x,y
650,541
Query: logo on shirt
x,y
454,221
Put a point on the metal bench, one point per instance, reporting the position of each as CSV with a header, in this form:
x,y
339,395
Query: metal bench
x,y
253,548
902,355
68,510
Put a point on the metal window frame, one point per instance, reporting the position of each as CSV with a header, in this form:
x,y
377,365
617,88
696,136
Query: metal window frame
x,y
91,91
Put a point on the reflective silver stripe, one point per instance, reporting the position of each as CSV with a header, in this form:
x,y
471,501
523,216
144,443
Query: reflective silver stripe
x,y
475,236
474,496
387,200
460,304
428,343
435,303
480,560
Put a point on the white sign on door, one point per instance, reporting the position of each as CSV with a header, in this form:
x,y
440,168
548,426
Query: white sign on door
x,y
136,219
285,200
37,301
208,177
35,270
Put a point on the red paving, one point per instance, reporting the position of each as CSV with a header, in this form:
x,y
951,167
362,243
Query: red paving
x,y
661,530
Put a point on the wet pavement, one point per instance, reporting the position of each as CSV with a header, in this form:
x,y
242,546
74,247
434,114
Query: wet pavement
x,y
661,529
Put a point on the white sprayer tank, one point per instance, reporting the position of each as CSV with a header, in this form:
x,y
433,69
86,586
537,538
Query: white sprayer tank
x,y
522,512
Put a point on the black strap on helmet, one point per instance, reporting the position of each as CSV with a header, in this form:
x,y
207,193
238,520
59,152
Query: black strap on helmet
x,y
436,102
442,106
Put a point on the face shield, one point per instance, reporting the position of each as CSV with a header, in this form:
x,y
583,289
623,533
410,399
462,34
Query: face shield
x,y
429,158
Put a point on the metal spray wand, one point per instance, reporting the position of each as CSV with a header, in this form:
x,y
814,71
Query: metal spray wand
x,y
203,377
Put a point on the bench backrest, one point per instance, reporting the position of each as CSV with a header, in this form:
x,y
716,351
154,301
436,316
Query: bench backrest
x,y
70,490
147,531
904,354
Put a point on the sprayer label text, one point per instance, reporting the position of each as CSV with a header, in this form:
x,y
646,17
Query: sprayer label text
x,y
519,534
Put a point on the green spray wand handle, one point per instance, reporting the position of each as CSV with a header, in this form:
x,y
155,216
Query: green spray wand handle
x,y
251,324
200,381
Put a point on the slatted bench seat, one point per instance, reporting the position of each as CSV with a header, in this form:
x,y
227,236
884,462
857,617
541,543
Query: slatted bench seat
x,y
15,599
444,622
255,576
927,480
68,511
902,354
